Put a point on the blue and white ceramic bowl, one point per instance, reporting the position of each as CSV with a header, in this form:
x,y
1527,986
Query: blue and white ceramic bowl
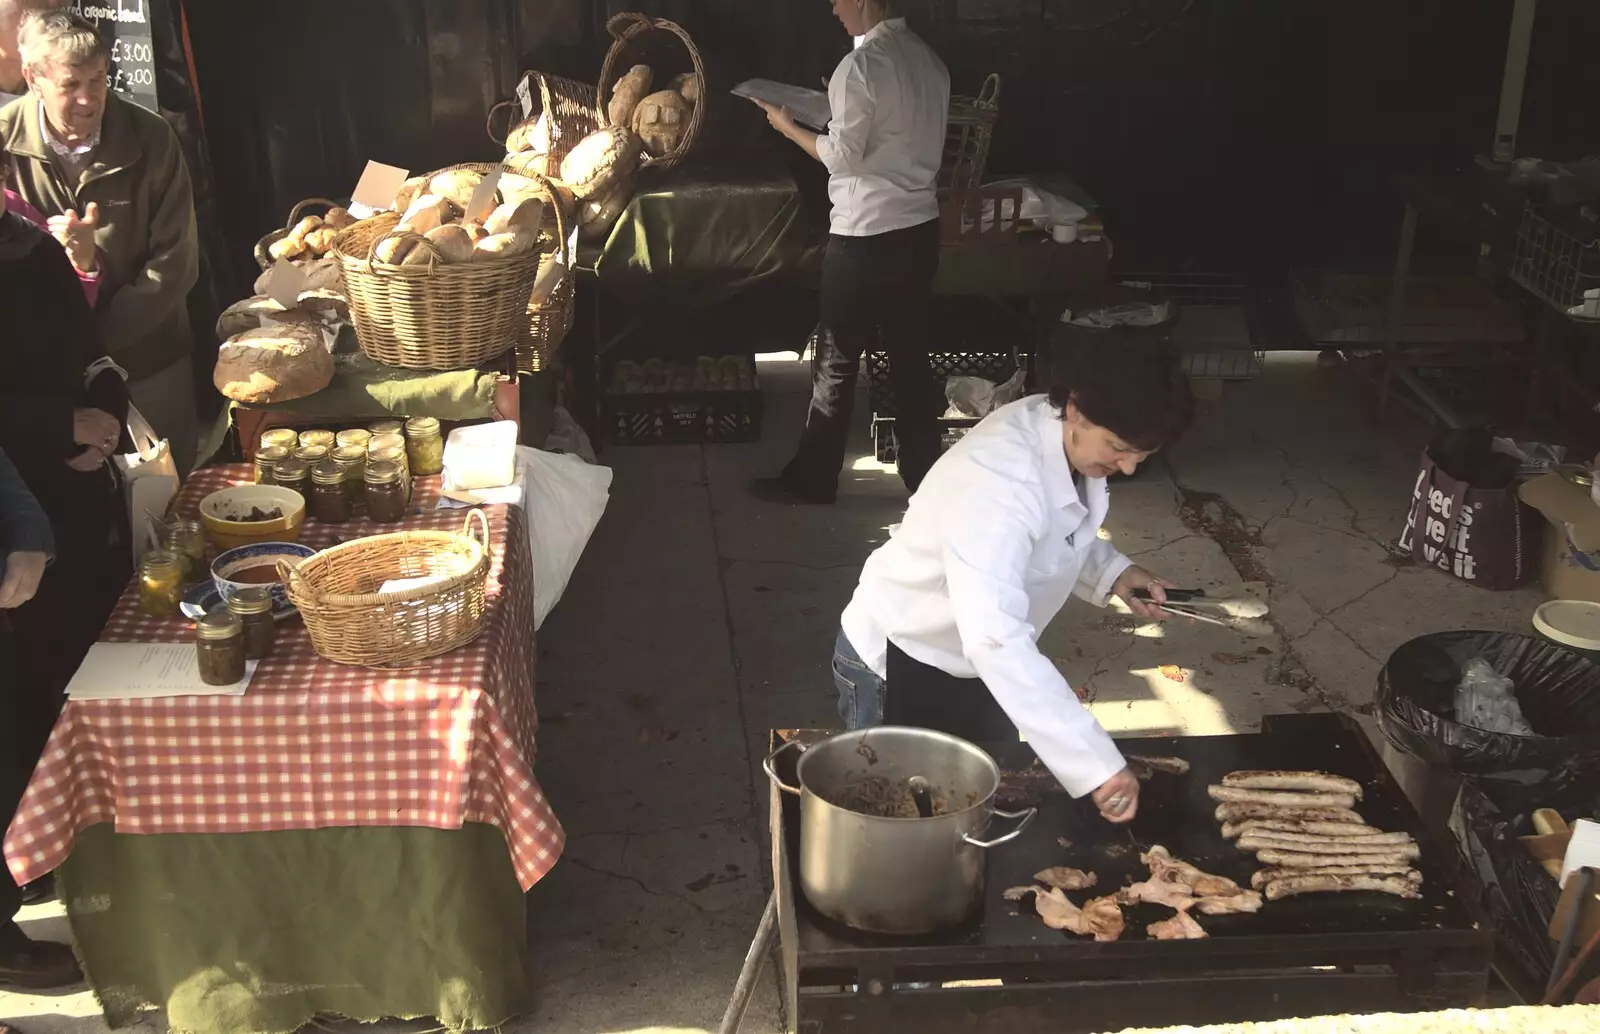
x,y
228,569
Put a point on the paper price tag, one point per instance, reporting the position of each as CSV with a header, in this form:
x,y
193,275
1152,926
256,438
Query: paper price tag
x,y
378,185
482,202
285,283
525,96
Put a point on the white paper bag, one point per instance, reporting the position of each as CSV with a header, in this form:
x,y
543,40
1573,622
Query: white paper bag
x,y
149,480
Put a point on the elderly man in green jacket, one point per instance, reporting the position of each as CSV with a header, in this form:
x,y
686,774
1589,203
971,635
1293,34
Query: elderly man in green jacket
x,y
84,156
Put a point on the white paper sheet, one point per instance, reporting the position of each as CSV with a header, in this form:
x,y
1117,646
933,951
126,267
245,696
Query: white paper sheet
x,y
807,107
142,671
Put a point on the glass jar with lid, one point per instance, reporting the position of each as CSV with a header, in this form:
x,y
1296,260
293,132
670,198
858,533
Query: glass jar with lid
x,y
324,439
219,643
392,454
424,446
312,454
378,427
253,608
386,493
280,437
160,583
355,436
330,493
187,539
292,473
268,457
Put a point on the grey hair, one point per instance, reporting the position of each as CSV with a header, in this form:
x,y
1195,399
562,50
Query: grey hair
x,y
63,36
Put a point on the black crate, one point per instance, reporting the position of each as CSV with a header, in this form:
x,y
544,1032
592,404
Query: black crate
x,y
992,366
683,417
886,448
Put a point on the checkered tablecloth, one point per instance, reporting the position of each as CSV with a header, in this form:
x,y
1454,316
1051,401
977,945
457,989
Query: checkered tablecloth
x,y
311,744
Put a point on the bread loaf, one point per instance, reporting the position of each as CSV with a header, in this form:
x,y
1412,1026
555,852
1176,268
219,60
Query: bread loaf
x,y
338,218
455,185
323,275
475,231
522,215
273,364
688,86
528,161
626,94
503,245
660,121
426,213
597,215
409,191
393,250
601,159
453,241
318,241
323,304
246,315
532,135
514,188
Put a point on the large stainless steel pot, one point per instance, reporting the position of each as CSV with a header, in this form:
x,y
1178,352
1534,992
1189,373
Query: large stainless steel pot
x,y
896,875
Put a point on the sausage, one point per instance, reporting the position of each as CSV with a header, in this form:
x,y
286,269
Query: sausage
x,y
1278,839
1169,765
1408,851
1341,830
1261,877
1245,812
1316,782
1281,798
1299,860
1289,886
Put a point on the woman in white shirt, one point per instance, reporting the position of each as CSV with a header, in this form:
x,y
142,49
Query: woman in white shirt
x,y
889,101
943,629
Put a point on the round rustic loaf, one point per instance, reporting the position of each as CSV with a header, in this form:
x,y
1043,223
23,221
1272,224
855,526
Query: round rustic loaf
x,y
687,84
273,364
660,121
625,96
599,160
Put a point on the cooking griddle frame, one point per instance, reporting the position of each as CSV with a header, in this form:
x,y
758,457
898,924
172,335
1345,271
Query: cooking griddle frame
x,y
1314,955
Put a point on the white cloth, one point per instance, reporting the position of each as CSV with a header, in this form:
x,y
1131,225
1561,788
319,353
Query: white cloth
x,y
890,101
993,542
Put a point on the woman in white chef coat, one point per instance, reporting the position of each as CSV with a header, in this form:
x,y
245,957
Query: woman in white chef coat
x,y
943,629
889,101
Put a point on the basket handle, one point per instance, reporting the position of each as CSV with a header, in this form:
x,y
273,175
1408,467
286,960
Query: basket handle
x,y
377,268
476,521
555,202
299,209
287,572
990,94
488,123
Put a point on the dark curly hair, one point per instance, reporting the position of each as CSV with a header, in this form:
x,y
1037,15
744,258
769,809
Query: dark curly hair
x,y
1133,387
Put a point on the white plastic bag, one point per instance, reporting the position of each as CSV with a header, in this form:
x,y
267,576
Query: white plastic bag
x,y
149,480
565,500
973,398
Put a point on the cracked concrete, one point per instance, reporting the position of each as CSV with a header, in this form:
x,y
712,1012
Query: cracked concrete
x,y
699,619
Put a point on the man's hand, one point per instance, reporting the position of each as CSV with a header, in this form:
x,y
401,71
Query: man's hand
x,y
21,581
778,118
76,235
1136,578
97,428
1118,797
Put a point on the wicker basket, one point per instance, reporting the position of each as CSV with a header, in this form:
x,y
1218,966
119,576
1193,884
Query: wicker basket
x,y
967,136
624,29
547,324
434,316
569,104
351,622
264,257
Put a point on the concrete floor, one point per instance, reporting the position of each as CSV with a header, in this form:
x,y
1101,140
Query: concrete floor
x,y
699,619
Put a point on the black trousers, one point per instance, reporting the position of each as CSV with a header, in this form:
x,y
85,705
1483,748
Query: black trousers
x,y
29,705
875,294
924,697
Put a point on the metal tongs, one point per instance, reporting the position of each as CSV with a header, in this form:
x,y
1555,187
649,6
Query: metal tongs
x,y
1241,608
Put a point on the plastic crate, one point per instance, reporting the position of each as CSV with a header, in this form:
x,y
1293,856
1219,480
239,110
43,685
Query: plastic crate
x,y
994,366
1554,264
886,449
659,415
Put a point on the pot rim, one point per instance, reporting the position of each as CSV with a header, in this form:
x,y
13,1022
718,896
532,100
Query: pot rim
x,y
984,804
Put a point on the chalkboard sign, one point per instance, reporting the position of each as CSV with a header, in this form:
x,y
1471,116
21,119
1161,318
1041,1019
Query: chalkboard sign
x,y
126,24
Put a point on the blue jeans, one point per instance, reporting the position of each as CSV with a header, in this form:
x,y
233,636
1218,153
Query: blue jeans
x,y
860,688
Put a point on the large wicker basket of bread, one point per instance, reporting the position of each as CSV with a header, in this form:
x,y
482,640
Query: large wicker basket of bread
x,y
434,286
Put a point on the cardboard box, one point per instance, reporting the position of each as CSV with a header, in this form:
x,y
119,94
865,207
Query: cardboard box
x,y
1570,565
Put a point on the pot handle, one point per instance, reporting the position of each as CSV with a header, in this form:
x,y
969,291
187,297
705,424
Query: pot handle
x,y
772,772
1025,816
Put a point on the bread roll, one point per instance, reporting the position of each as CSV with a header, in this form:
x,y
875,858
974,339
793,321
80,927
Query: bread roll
x,y
455,185
600,159
503,245
660,121
338,218
532,135
273,364
519,188
290,247
523,215
318,241
426,213
625,96
409,191
688,86
475,231
393,250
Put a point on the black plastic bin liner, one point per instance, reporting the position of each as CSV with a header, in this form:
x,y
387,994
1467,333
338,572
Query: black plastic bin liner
x,y
1516,891
1557,688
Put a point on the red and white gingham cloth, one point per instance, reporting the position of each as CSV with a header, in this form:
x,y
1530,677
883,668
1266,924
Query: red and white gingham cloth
x,y
311,743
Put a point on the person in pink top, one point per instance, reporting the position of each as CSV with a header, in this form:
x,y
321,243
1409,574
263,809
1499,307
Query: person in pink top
x,y
76,236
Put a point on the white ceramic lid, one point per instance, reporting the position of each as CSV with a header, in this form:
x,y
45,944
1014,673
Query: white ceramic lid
x,y
1573,623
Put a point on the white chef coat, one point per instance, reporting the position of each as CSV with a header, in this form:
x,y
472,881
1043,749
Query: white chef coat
x,y
889,100
993,542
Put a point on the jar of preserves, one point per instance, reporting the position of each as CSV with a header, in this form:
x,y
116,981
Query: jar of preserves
x,y
187,539
378,427
424,446
253,608
268,457
312,454
219,642
160,583
324,439
292,473
330,493
279,437
392,454
386,494
355,436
